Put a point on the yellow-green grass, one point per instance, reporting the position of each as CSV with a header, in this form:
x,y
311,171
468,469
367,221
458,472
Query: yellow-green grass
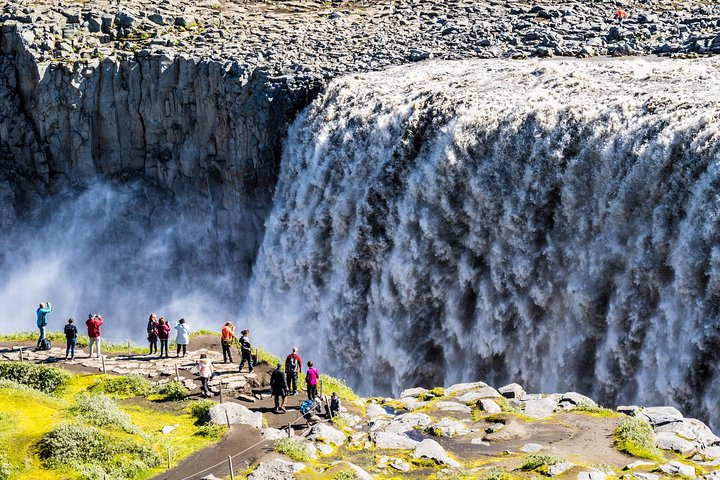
x,y
58,339
27,415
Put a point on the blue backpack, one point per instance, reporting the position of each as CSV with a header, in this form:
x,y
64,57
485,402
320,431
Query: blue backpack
x,y
307,406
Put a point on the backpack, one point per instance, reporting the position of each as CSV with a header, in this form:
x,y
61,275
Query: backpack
x,y
44,344
291,365
307,406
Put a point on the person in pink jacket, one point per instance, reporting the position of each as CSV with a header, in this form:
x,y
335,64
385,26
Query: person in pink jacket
x,y
93,325
206,371
311,377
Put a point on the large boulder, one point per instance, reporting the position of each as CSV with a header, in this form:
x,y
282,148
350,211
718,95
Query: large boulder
x,y
658,416
452,407
670,441
276,469
463,387
327,434
413,392
431,449
540,408
512,390
447,427
408,421
677,468
236,414
374,410
489,406
392,441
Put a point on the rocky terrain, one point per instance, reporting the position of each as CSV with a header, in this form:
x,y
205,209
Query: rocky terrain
x,y
463,431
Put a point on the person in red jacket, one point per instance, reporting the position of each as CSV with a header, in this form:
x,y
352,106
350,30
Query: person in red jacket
x,y
293,368
620,15
163,335
93,325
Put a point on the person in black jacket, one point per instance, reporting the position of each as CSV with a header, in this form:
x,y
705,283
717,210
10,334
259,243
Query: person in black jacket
x,y
246,351
278,383
71,338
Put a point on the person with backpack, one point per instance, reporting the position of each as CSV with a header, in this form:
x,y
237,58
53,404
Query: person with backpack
x,y
226,340
206,370
278,384
311,377
163,335
152,332
293,367
183,337
42,313
93,325
71,339
246,351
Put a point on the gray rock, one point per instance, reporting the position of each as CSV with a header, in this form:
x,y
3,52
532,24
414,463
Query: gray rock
x,y
541,408
512,390
432,450
276,469
531,448
645,476
392,441
592,475
328,434
639,463
670,441
677,468
658,416
374,410
576,399
400,465
272,434
236,413
413,392
452,407
559,468
448,427
489,406
406,422
465,387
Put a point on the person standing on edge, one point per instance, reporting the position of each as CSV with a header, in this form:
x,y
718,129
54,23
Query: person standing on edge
x,y
71,338
226,338
152,331
293,367
42,313
620,15
206,371
278,384
311,377
246,351
93,325
163,335
183,337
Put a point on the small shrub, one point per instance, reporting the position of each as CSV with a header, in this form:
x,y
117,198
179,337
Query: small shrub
x,y
171,391
200,410
40,377
635,436
537,460
346,475
424,462
496,474
124,386
96,455
595,410
102,411
293,448
211,431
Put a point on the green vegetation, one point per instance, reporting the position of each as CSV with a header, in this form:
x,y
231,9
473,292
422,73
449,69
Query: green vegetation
x,y
346,475
124,386
38,377
211,430
635,437
537,460
169,392
270,358
435,393
102,411
58,338
200,410
595,410
100,455
5,468
332,384
496,474
293,448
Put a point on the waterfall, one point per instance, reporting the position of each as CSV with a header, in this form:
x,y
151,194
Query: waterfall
x,y
554,223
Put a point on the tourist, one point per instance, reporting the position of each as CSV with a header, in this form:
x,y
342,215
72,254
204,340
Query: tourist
x,y
152,332
311,378
226,340
278,384
334,404
246,351
183,337
620,15
70,339
42,313
93,325
206,371
163,335
293,367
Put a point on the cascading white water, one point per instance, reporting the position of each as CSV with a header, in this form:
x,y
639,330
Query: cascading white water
x,y
554,223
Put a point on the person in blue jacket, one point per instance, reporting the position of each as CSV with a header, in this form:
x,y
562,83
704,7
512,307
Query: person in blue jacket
x,y
42,313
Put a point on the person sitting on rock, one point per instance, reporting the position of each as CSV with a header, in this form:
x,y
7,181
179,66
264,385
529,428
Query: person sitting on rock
x,y
206,371
70,339
293,367
93,325
246,351
183,337
42,313
163,335
334,404
278,384
152,332
226,339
